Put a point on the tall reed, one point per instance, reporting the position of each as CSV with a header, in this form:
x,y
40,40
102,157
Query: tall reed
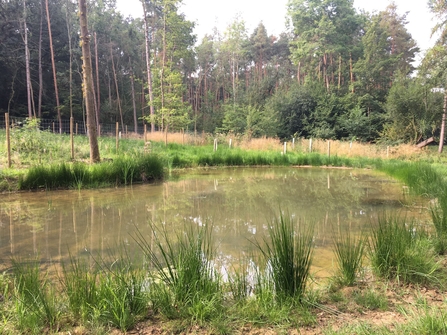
x,y
288,252
35,301
439,217
399,251
79,283
184,281
349,252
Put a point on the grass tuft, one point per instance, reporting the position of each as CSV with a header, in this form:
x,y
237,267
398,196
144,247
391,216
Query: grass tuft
x,y
399,251
288,254
349,253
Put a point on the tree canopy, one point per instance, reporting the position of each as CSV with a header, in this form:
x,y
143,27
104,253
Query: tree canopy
x,y
336,73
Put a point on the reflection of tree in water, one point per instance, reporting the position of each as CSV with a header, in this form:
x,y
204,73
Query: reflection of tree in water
x,y
238,202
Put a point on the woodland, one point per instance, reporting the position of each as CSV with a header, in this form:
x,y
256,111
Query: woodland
x,y
334,73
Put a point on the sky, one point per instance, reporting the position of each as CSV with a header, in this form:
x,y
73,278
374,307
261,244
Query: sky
x,y
208,14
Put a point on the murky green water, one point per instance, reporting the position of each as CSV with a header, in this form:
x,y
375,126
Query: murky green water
x,y
238,202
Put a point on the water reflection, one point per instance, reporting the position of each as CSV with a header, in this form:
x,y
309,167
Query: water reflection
x,y
239,203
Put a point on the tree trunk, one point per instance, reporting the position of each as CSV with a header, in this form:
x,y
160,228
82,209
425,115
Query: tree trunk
x,y
98,91
70,50
28,75
56,92
148,68
88,83
444,111
117,90
39,102
134,105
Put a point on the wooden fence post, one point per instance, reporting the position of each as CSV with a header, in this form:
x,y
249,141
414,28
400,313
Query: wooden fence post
x,y
8,140
117,128
71,137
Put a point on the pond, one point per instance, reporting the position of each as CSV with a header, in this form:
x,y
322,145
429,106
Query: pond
x,y
239,203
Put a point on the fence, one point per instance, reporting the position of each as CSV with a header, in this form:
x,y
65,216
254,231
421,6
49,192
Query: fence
x,y
80,127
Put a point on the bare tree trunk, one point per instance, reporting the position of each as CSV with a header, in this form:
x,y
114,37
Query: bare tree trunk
x,y
98,92
28,75
351,72
70,49
442,135
134,105
148,69
117,90
39,102
56,92
88,83
339,71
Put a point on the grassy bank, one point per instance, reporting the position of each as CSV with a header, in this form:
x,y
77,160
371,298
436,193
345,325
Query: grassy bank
x,y
43,160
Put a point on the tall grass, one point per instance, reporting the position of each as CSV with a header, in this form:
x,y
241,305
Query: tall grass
x,y
79,283
184,281
121,171
439,217
35,301
349,252
113,294
400,252
288,253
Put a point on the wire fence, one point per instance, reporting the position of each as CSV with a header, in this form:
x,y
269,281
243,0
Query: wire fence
x,y
79,127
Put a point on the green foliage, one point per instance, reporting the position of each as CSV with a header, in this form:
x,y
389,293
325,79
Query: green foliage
x,y
293,107
413,112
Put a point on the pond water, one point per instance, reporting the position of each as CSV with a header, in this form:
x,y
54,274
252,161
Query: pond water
x,y
238,202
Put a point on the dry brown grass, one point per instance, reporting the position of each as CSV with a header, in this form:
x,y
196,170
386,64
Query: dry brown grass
x,y
357,149
339,148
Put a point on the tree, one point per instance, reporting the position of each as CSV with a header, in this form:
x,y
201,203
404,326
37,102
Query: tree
x,y
88,83
56,91
175,36
326,34
413,111
439,8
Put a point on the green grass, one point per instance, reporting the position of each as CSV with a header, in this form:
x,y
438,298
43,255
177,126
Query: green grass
x,y
184,281
400,252
288,254
122,171
349,252
35,301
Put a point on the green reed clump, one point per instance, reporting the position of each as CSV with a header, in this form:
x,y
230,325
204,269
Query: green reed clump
x,y
349,252
122,298
79,283
121,171
400,252
288,252
35,301
109,294
438,213
184,282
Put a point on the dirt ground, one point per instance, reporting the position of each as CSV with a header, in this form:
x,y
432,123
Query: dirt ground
x,y
331,316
